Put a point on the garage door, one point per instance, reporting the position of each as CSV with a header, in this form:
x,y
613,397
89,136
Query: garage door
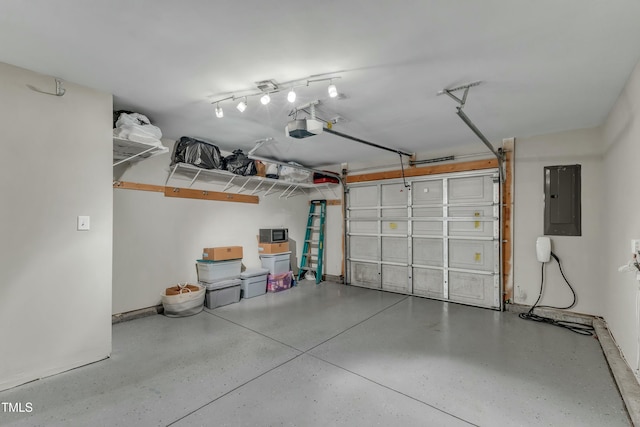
x,y
440,239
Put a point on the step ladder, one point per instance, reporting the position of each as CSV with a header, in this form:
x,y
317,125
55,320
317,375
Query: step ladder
x,y
314,237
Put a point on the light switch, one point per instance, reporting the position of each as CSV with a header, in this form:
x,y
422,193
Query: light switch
x,y
84,223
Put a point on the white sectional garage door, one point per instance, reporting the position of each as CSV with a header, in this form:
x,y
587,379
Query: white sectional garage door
x,y
438,240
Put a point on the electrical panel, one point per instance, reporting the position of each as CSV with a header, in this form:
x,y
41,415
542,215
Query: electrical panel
x,y
562,200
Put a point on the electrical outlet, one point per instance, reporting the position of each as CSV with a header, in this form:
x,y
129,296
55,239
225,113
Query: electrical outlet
x,y
635,246
84,223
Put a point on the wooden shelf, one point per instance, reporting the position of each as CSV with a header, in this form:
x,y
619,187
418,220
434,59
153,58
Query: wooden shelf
x,y
125,150
187,193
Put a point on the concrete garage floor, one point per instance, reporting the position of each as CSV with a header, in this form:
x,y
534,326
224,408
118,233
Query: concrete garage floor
x,y
333,355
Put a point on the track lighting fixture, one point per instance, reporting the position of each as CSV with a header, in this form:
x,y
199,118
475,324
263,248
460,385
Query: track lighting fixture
x,y
266,88
291,96
333,91
242,105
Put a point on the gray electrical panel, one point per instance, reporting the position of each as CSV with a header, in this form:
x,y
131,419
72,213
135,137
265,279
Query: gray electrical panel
x,y
562,211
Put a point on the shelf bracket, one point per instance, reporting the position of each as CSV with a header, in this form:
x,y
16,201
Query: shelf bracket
x,y
269,190
320,190
257,187
285,191
292,191
304,190
194,178
134,156
328,187
171,174
243,185
228,184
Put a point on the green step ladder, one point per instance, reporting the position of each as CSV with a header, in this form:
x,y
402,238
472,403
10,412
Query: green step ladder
x,y
314,227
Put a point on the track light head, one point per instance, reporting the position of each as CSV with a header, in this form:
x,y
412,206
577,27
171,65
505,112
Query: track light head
x,y
291,96
333,91
266,88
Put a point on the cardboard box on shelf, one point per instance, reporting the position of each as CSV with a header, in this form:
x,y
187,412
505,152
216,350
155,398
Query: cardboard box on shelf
x,y
222,253
273,248
261,169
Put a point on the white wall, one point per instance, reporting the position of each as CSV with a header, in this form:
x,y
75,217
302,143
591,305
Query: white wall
x,y
581,256
621,215
156,240
55,282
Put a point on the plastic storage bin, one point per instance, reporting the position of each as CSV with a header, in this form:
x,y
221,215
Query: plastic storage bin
x,y
279,282
221,284
276,263
222,294
215,271
254,282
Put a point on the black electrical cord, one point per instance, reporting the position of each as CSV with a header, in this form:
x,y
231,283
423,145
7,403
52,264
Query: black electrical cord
x,y
402,168
566,281
578,328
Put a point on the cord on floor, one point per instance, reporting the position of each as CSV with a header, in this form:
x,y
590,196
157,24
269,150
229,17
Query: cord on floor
x,y
576,327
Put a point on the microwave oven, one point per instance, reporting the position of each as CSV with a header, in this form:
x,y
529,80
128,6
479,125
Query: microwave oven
x,y
274,235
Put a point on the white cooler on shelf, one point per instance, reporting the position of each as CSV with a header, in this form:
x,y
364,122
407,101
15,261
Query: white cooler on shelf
x,y
254,282
215,271
222,293
276,263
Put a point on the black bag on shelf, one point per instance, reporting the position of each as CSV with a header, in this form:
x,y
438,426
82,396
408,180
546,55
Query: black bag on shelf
x,y
197,153
240,164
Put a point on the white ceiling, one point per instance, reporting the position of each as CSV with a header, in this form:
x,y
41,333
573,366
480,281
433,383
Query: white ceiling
x,y
547,65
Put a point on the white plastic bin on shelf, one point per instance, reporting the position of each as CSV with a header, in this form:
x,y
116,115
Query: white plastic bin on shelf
x,y
215,271
254,282
222,293
276,263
